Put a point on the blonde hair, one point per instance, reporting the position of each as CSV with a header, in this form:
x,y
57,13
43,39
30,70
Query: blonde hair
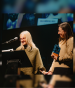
x,y
28,38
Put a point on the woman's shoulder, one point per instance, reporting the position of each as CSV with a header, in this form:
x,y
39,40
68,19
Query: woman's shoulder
x,y
70,39
36,49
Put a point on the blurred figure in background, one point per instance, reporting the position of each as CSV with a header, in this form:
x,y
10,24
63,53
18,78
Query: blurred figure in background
x,y
18,6
38,6
52,6
25,19
12,20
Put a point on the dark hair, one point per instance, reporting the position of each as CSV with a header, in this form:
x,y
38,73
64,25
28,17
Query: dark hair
x,y
67,28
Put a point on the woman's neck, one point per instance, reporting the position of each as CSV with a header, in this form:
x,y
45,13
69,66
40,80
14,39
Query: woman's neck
x,y
25,46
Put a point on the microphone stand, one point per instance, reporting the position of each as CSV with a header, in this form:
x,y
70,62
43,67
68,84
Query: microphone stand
x,y
11,40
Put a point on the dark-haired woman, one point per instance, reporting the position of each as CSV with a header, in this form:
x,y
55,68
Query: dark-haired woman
x,y
61,66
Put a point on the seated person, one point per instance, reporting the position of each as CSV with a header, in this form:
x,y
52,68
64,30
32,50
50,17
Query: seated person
x,y
62,64
32,52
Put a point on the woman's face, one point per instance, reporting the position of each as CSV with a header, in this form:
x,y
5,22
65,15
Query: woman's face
x,y
23,39
61,32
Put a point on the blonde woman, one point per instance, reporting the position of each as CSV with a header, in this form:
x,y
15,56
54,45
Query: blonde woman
x,y
32,52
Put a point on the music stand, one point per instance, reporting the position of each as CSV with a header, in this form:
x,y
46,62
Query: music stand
x,y
16,55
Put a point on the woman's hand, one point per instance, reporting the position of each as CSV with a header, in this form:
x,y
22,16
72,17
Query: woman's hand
x,y
49,73
53,56
44,72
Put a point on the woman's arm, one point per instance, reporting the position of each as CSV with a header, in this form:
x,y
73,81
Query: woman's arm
x,y
38,62
52,66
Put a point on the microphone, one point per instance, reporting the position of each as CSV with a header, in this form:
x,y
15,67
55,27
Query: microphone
x,y
11,40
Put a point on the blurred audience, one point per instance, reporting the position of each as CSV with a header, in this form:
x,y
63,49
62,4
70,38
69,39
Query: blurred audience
x,y
42,6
